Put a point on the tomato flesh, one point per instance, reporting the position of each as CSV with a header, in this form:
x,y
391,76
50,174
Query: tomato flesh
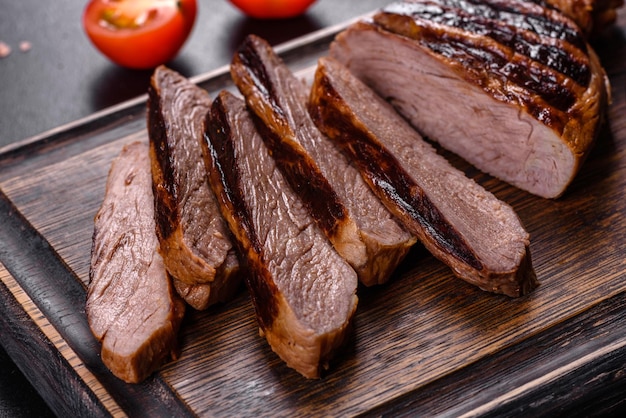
x,y
131,15
272,9
139,34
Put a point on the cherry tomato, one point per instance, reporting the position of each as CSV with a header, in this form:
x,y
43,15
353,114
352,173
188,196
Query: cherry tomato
x,y
139,34
272,9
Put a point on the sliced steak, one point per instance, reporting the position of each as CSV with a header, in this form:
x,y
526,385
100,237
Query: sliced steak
x,y
131,307
194,238
303,292
356,222
478,236
508,85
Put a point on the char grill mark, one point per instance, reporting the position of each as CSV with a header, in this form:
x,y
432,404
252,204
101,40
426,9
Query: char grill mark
x,y
250,60
305,179
194,239
387,176
516,14
303,292
508,76
481,19
167,217
218,147
527,16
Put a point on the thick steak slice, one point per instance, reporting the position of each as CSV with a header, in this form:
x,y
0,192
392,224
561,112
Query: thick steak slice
x,y
131,307
303,292
195,242
356,222
478,236
508,85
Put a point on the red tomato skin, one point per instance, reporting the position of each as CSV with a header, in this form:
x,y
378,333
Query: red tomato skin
x,y
141,48
273,9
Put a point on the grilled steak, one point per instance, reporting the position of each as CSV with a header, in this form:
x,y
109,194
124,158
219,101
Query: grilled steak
x,y
194,238
478,236
356,222
303,292
131,305
508,85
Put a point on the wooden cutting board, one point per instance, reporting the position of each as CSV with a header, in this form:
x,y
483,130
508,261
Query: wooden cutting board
x,y
424,344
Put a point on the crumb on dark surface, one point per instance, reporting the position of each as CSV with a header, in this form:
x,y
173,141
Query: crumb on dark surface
x,y
5,50
25,46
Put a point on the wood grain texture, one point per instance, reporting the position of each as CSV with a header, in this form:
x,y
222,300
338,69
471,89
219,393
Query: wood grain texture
x,y
425,341
89,395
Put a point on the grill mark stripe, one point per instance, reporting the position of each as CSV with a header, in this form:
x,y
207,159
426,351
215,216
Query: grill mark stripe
x,y
486,61
551,52
542,20
522,15
223,169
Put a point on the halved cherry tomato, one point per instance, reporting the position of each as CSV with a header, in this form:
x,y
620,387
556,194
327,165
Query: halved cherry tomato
x,y
272,9
139,33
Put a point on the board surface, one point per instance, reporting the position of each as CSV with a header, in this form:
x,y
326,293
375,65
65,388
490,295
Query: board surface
x,y
425,342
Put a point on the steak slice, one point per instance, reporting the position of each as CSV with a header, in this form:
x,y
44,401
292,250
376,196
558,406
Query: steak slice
x,y
508,85
194,239
362,230
131,307
462,224
303,292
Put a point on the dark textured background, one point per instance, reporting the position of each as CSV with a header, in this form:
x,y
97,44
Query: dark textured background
x,y
63,78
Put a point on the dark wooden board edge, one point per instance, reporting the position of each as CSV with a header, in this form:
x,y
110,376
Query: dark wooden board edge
x,y
43,366
57,292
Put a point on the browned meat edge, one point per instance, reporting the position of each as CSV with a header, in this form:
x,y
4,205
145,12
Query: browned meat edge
x,y
194,240
592,16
